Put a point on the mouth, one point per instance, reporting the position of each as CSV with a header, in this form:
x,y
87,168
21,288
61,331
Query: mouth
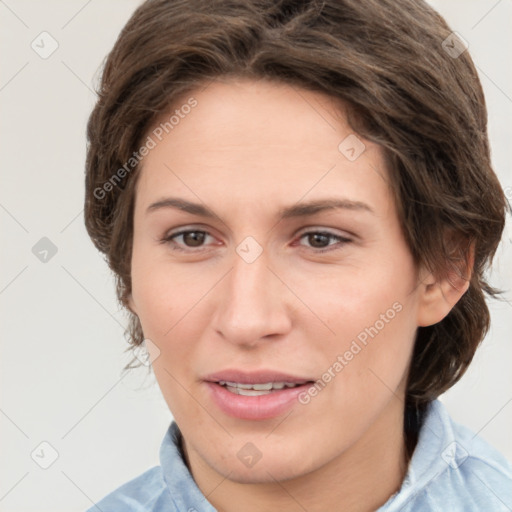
x,y
257,395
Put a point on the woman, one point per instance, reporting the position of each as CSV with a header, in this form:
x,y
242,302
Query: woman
x,y
298,204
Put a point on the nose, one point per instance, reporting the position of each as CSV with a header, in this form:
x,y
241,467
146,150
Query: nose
x,y
253,304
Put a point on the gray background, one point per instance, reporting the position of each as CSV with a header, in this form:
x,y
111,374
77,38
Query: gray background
x,y
62,332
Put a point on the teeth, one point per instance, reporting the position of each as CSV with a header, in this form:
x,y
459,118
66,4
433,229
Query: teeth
x,y
248,392
262,387
255,389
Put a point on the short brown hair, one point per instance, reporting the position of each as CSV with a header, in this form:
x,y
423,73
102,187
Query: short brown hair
x,y
385,59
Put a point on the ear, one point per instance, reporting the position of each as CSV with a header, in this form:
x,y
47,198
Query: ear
x,y
437,296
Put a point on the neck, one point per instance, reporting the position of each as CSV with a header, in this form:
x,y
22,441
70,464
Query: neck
x,y
360,479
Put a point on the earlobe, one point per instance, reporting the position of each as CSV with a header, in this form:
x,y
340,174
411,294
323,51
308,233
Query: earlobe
x,y
439,296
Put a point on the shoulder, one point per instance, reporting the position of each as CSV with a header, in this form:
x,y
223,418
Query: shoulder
x,y
452,468
475,477
477,470
147,492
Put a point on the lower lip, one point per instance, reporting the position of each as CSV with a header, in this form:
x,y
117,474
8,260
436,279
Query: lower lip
x,y
260,407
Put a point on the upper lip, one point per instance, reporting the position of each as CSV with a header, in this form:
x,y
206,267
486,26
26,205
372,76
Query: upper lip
x,y
256,377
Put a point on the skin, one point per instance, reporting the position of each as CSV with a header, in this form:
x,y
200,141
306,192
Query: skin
x,y
247,150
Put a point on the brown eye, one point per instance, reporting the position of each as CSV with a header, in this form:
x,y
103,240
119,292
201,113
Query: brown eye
x,y
318,240
187,239
322,240
193,238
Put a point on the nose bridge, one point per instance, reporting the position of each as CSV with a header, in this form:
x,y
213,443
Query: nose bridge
x,y
252,303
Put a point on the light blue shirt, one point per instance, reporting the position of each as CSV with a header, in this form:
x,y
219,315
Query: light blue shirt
x,y
451,470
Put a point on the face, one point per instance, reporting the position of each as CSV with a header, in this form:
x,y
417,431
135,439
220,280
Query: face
x,y
267,249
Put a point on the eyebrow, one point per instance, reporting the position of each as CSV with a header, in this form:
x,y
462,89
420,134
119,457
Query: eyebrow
x,y
297,210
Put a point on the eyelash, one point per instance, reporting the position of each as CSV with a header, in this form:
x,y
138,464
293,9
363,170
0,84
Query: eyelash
x,y
169,239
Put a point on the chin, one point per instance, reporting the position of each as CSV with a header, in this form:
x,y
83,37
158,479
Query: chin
x,y
263,474
270,469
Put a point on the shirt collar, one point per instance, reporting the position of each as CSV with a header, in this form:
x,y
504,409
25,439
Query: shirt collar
x,y
182,487
435,451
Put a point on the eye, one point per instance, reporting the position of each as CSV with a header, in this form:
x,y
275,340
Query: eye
x,y
186,239
193,240
321,241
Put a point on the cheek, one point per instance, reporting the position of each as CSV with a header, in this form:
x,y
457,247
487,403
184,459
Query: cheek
x,y
370,312
173,307
163,294
347,300
167,303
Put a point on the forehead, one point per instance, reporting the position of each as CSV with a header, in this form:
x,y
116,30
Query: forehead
x,y
244,114
254,139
